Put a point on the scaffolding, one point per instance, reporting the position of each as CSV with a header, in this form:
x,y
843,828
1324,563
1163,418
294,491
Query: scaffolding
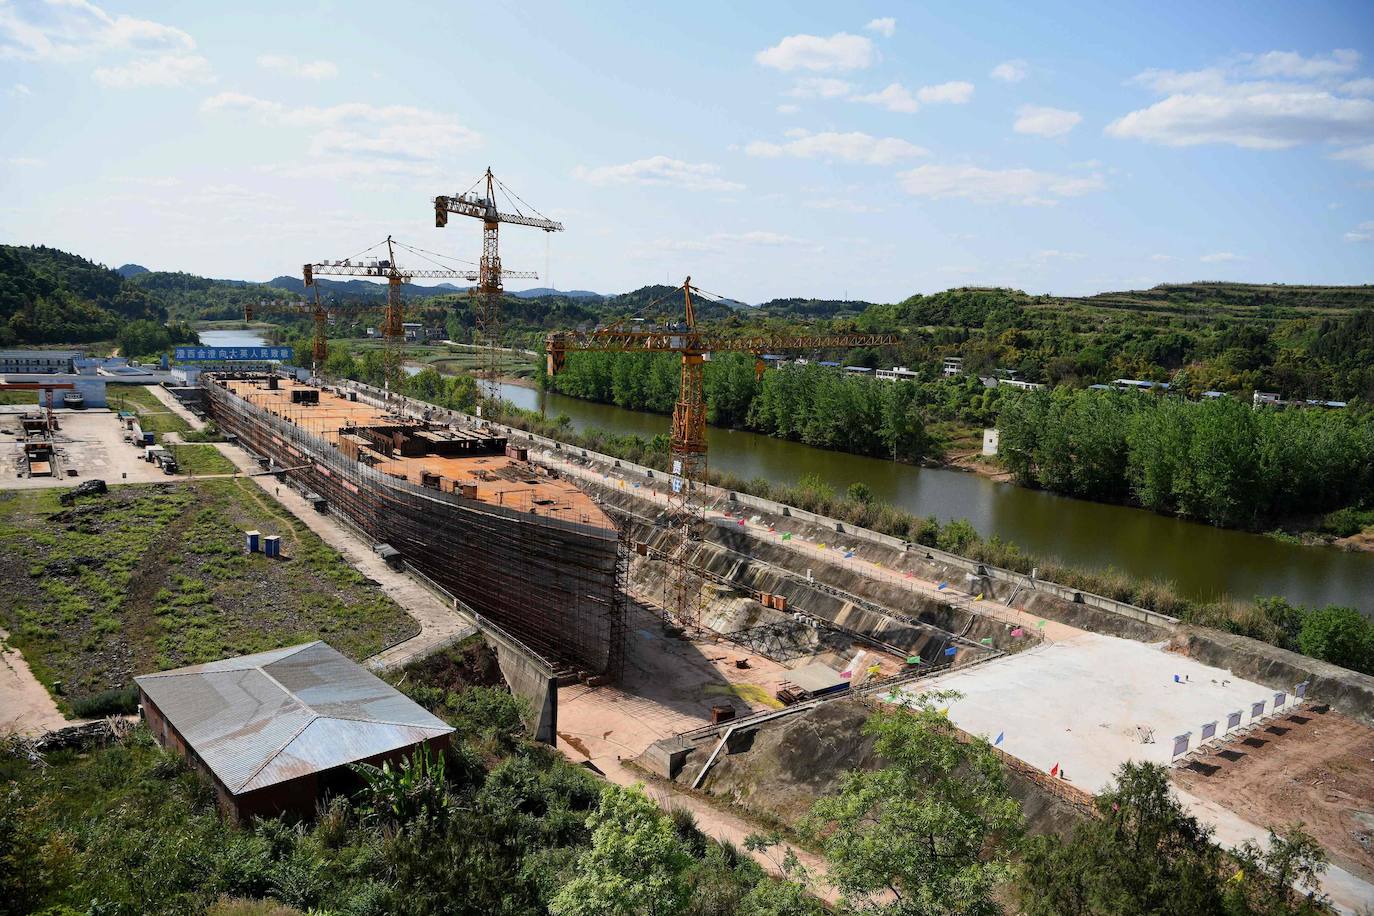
x,y
555,583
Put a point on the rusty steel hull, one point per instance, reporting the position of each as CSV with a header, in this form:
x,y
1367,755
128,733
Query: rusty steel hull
x,y
554,584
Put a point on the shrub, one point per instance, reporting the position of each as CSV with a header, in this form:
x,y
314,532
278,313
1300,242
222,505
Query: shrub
x,y
1339,635
119,701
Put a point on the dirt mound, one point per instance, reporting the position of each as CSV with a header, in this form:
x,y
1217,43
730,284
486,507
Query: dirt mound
x,y
779,770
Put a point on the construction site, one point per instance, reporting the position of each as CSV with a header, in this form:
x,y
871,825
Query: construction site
x,y
724,648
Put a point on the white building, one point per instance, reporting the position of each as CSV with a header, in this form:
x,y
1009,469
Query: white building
x,y
37,361
991,439
897,374
954,365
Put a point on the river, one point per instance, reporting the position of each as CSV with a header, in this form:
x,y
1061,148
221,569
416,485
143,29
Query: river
x,y
1203,562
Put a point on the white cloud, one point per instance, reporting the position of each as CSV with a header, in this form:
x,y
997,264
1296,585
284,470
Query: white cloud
x,y
1364,232
1162,257
1045,122
952,93
885,27
1363,156
850,147
19,90
307,69
1294,65
1221,257
1054,254
659,170
969,182
820,87
1275,100
164,70
895,97
25,162
1010,71
66,30
721,241
840,51
355,138
788,109
1362,86
847,204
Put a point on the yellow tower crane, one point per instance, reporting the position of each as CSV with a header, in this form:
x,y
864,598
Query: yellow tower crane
x,y
393,325
687,444
483,205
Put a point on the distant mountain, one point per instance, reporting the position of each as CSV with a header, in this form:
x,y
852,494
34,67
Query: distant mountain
x,y
540,291
131,270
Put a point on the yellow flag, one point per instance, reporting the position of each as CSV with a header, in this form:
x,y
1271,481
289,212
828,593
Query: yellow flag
x,y
1239,876
978,597
945,712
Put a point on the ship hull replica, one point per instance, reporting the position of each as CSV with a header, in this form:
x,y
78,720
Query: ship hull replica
x,y
520,547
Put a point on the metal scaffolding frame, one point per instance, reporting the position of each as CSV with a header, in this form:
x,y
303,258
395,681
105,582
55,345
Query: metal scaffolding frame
x,y
556,584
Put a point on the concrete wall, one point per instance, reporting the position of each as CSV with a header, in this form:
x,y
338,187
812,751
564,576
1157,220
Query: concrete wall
x,y
534,682
1347,691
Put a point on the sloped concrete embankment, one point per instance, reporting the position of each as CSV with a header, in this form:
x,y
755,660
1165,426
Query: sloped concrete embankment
x,y
1347,691
778,770
752,574
920,562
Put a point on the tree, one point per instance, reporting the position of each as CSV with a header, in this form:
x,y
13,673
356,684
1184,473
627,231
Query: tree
x,y
1339,635
1282,878
1143,854
635,865
932,831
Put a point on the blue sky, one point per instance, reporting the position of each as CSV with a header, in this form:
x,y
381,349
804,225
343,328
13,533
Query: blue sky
x,y
868,150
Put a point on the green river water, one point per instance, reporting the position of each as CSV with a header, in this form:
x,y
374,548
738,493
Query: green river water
x,y
1202,561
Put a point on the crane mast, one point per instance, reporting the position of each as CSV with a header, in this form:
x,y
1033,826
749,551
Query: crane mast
x,y
687,449
487,294
393,318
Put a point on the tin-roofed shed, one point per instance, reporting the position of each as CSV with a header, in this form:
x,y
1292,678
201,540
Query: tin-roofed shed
x,y
276,731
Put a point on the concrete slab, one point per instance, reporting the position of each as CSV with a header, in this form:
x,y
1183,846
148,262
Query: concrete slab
x,y
91,441
1083,701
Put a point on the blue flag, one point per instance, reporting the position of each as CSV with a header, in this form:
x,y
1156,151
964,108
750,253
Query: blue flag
x,y
951,650
942,586
1000,736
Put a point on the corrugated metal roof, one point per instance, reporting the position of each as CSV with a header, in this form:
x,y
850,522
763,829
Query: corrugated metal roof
x,y
258,720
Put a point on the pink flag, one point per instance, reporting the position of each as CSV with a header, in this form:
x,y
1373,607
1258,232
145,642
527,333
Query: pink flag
x,y
1018,632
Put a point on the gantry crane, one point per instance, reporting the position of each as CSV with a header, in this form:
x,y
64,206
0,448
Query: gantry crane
x,y
393,325
687,448
487,293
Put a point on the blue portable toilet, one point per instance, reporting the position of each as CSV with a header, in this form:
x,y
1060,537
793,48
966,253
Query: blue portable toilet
x,y
271,545
251,541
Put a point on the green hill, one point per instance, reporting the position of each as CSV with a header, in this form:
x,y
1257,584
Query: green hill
x,y
50,296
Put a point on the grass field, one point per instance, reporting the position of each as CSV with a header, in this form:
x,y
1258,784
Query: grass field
x,y
201,459
155,576
25,398
153,415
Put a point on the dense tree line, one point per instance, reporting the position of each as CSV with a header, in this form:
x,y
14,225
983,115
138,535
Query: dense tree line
x,y
49,296
1217,460
451,392
813,404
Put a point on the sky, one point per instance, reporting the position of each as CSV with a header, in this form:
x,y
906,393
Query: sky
x,y
867,150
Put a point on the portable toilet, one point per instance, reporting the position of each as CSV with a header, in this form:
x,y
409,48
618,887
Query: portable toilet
x,y
251,541
271,545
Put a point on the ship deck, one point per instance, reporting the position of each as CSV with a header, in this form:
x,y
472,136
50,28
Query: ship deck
x,y
499,479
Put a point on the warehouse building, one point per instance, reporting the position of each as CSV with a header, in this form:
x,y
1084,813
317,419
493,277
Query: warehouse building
x,y
40,361
276,731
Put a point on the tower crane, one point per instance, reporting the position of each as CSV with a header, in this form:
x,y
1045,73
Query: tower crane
x,y
487,293
687,443
393,330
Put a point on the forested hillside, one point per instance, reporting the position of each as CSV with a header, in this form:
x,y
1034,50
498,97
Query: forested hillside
x,y
192,298
49,296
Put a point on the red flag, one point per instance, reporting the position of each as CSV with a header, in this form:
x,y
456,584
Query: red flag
x,y
1054,771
